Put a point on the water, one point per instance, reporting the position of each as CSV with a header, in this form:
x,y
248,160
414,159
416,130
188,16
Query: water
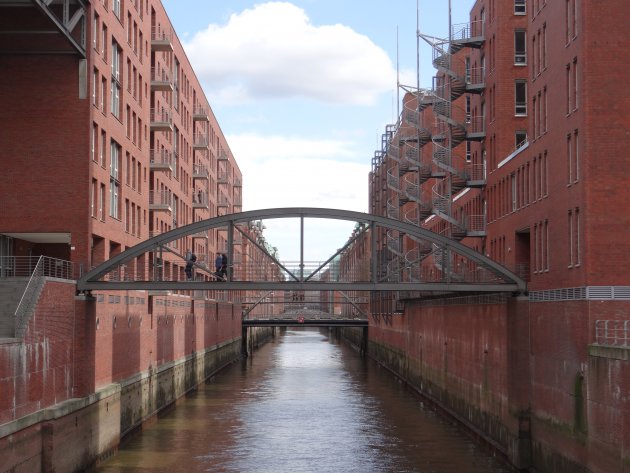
x,y
302,404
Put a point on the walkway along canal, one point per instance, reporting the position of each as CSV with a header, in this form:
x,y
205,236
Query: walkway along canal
x,y
302,403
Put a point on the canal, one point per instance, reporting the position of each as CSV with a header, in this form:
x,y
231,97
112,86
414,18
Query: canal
x,y
302,403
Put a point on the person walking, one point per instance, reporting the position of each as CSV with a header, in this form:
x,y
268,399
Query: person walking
x,y
190,262
224,264
218,262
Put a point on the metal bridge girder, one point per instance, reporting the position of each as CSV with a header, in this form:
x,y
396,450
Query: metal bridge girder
x,y
91,280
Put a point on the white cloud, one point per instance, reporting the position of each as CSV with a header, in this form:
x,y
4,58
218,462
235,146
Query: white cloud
x,y
273,51
295,172
288,172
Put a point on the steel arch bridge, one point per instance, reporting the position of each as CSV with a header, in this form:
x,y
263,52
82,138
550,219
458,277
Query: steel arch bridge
x,y
422,262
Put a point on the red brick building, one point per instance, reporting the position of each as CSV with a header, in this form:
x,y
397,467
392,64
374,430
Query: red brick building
x,y
108,139
113,148
518,151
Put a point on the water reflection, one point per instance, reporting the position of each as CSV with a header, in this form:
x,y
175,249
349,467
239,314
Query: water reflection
x,y
302,404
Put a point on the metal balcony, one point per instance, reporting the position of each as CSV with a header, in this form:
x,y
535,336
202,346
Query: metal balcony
x,y
161,80
161,120
200,200
200,172
161,40
222,156
160,201
161,160
200,141
200,114
223,201
222,177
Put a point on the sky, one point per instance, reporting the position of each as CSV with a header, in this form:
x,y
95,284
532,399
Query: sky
x,y
303,90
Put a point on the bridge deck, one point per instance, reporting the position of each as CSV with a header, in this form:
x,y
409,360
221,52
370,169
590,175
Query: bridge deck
x,y
305,322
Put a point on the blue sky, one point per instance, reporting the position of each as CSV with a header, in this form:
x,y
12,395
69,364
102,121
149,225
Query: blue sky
x,y
303,90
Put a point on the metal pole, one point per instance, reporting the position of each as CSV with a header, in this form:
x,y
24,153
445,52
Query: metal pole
x,y
230,250
301,248
418,53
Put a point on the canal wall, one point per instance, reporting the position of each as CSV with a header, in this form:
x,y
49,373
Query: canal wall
x,y
525,377
90,371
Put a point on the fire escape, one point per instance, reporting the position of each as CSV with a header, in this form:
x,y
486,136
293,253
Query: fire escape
x,y
406,163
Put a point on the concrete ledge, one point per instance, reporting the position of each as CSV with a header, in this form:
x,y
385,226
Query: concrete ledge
x,y
611,352
58,410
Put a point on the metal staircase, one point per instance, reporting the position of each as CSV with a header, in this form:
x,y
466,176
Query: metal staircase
x,y
455,125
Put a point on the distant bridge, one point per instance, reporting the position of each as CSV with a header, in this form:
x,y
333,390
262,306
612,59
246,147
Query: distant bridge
x,y
304,317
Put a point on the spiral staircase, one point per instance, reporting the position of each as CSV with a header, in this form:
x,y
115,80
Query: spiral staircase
x,y
409,163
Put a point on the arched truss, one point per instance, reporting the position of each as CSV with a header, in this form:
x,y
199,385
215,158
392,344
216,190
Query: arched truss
x,y
433,264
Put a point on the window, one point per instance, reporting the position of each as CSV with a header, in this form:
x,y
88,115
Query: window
x,y
576,156
93,190
94,84
116,7
520,97
114,182
104,42
103,149
115,85
576,239
101,203
127,216
520,7
573,163
575,84
543,111
514,192
176,74
571,20
520,138
95,32
103,94
520,51
94,142
115,96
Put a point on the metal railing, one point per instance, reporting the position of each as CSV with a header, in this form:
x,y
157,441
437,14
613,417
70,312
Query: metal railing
x,y
615,333
39,268
25,266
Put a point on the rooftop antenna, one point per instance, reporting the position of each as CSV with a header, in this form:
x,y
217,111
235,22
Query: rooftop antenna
x,y
397,77
418,44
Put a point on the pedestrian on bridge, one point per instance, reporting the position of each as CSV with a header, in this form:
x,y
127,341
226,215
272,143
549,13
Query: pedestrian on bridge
x,y
218,263
190,262
224,264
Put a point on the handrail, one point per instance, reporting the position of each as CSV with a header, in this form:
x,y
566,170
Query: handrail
x,y
614,333
26,301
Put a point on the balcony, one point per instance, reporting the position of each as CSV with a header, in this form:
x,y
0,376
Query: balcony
x,y
161,160
200,114
161,120
200,141
200,172
238,182
161,40
222,177
161,80
200,200
223,156
223,201
160,201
